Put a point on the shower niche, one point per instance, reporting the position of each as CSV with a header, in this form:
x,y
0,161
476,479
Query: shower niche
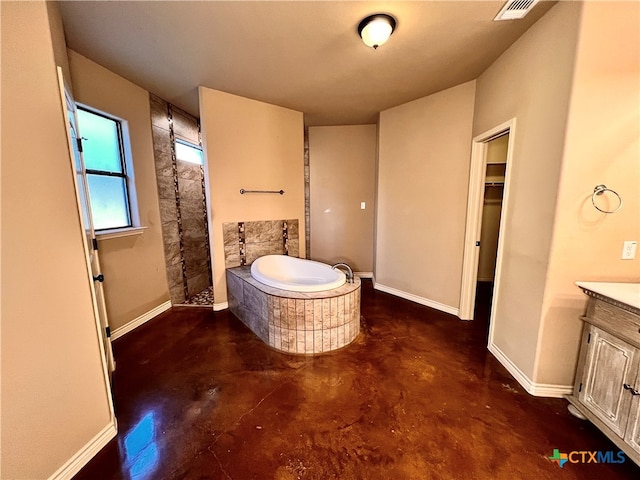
x,y
183,211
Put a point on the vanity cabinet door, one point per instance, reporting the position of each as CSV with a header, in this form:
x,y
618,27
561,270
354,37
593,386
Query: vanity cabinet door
x,y
610,364
633,427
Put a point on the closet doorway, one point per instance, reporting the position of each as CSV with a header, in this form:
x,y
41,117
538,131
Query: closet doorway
x,y
488,192
490,220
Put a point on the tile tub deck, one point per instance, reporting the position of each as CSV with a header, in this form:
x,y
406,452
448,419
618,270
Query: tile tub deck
x,y
295,322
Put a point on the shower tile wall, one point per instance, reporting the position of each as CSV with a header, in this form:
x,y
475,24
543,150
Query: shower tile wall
x,y
246,241
182,203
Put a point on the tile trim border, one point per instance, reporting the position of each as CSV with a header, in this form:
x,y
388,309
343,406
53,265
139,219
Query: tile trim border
x,y
176,187
415,298
285,238
74,464
242,244
144,318
307,195
205,216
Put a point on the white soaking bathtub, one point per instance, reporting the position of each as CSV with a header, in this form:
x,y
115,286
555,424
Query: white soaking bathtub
x,y
296,274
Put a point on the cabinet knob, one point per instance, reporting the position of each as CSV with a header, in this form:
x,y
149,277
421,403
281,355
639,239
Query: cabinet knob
x,y
631,389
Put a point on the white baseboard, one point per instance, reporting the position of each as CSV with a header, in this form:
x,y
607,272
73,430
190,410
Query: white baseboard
x,y
535,389
145,317
220,306
364,274
86,453
550,390
511,367
415,298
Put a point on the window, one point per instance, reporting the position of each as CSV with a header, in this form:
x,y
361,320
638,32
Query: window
x,y
104,158
188,152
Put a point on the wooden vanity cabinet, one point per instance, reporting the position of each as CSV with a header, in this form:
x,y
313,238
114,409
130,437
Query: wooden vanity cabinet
x,y
607,385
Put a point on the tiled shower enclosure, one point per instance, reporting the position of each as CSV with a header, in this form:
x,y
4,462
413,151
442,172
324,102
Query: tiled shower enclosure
x,y
183,210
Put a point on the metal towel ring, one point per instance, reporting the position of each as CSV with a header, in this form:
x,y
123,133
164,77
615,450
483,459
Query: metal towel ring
x,y
599,190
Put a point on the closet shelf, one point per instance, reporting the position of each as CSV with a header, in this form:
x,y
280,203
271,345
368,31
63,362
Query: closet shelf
x,y
494,181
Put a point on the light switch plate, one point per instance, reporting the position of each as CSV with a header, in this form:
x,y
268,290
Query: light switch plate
x,y
363,205
629,249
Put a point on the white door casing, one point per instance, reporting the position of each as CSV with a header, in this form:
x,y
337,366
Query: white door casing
x,y
474,220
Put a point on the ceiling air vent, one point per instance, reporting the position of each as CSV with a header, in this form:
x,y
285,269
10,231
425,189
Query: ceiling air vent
x,y
515,9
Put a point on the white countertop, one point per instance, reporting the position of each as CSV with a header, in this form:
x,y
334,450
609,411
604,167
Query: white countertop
x,y
628,293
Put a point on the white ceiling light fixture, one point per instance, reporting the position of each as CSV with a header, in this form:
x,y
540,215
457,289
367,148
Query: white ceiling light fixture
x,y
376,29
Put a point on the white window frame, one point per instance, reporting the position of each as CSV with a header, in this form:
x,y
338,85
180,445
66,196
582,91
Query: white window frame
x,y
135,227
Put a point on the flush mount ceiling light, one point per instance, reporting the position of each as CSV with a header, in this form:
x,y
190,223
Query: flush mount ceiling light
x,y
376,29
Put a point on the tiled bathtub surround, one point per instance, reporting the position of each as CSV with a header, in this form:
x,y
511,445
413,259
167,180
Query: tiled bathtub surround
x,y
246,241
295,322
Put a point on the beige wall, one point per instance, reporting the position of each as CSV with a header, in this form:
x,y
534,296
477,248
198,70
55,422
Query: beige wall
x,y
54,394
342,164
602,146
497,149
59,45
255,146
531,82
424,155
134,267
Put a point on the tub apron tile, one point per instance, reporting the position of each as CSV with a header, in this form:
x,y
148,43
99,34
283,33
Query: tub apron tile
x,y
303,323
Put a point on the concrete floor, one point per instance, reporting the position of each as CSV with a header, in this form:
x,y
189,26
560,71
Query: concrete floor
x,y
416,396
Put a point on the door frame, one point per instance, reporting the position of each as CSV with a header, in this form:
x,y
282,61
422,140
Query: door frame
x,y
475,200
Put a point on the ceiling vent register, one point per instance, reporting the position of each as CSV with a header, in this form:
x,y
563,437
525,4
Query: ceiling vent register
x,y
515,9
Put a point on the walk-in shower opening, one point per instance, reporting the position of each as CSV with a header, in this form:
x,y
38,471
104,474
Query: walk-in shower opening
x,y
183,211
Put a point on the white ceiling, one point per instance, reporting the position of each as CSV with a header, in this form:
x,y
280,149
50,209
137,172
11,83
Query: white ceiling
x,y
304,55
